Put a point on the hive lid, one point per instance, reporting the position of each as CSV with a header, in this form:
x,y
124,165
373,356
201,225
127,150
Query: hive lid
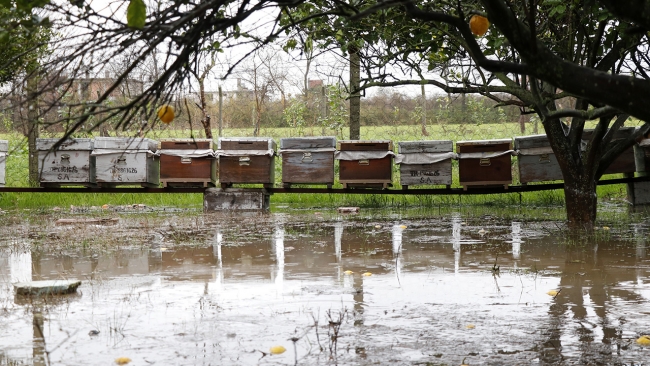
x,y
531,142
425,146
125,143
365,145
187,144
246,143
308,142
69,144
483,142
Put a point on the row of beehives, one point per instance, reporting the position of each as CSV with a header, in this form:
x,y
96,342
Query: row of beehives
x,y
111,161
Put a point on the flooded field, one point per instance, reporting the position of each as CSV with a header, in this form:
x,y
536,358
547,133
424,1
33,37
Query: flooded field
x,y
172,289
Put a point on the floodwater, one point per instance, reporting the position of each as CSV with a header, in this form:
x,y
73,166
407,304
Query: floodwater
x,y
222,290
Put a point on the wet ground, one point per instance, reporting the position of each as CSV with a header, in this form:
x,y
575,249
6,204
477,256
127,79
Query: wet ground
x,y
189,289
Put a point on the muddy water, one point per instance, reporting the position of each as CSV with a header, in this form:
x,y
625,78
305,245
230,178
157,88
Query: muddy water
x,y
214,290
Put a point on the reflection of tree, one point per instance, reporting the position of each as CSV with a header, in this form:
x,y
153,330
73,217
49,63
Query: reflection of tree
x,y
587,283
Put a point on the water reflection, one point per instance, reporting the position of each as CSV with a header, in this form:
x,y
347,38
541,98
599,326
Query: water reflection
x,y
278,248
243,291
516,240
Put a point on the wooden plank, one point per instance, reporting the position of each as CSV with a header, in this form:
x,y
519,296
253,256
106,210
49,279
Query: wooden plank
x,y
49,287
348,210
308,167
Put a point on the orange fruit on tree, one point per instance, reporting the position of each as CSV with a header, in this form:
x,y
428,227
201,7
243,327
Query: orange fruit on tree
x,y
479,25
166,113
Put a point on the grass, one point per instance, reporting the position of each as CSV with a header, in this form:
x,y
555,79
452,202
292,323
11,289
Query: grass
x,y
16,173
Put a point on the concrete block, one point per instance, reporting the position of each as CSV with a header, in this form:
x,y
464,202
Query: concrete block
x,y
217,199
638,193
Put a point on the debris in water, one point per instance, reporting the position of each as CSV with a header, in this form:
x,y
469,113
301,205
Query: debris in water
x,y
402,226
50,287
367,274
553,293
348,272
348,210
377,226
276,350
605,228
644,340
105,206
470,326
93,333
482,232
111,221
122,360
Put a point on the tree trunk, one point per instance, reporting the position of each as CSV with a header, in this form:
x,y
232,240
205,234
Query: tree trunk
x,y
424,112
33,131
355,96
205,121
581,202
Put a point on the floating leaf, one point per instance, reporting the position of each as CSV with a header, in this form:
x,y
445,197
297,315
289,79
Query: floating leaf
x,y
402,226
348,272
605,227
367,274
122,360
136,14
470,326
377,226
553,293
276,350
644,340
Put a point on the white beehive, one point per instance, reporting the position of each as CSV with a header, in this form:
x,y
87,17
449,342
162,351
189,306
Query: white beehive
x,y
126,161
69,163
425,162
4,148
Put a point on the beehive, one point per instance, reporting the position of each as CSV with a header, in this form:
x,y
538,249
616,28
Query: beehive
x,y
187,162
536,161
484,162
4,148
307,160
425,162
365,163
246,160
126,161
69,163
624,163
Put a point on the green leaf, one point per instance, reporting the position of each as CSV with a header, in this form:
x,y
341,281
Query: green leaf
x,y
136,14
